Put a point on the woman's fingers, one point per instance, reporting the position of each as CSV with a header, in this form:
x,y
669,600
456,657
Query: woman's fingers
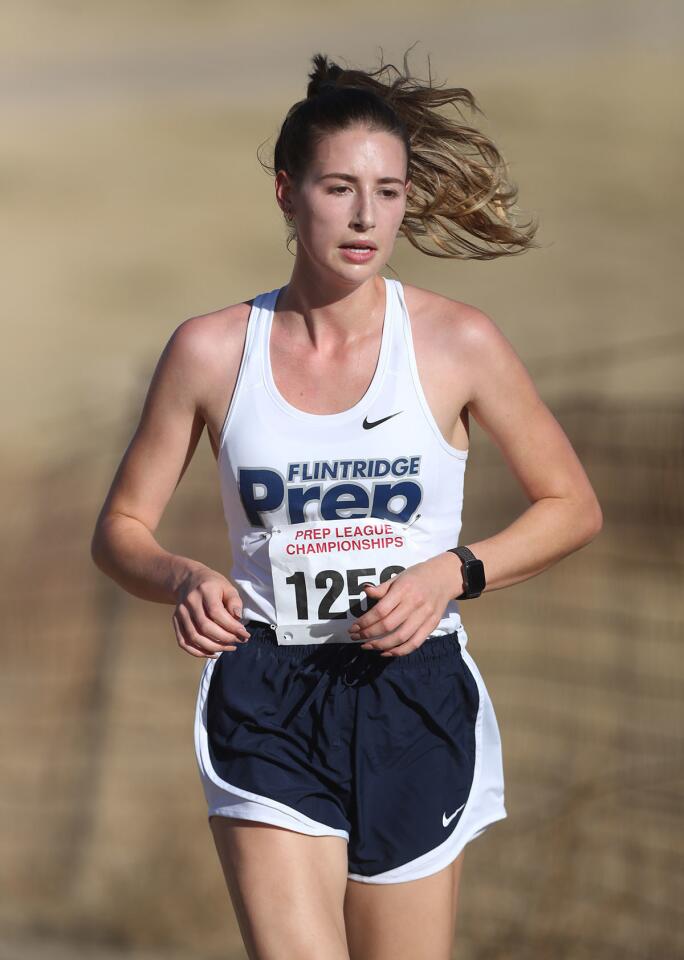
x,y
189,647
396,616
415,641
407,631
399,635
215,609
385,600
405,596
210,618
198,638
230,599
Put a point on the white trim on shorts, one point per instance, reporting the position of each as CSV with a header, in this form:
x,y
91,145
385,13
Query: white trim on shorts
x,y
226,800
485,803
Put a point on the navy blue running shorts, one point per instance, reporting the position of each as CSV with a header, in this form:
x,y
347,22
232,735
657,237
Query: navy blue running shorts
x,y
401,756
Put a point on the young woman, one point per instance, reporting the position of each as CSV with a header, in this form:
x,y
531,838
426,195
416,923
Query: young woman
x,y
345,738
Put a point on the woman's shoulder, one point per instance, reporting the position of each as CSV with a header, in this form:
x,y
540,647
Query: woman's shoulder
x,y
204,349
204,329
435,315
209,338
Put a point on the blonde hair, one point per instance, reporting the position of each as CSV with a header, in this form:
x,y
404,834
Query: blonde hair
x,y
462,201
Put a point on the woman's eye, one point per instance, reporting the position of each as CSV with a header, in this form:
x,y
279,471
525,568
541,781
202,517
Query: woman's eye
x,y
343,188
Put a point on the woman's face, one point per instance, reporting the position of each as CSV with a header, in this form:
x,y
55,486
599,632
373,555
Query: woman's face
x,y
353,193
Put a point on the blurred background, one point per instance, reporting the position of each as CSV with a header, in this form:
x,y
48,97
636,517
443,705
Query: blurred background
x,y
132,199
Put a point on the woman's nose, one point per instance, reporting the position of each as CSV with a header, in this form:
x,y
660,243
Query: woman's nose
x,y
364,216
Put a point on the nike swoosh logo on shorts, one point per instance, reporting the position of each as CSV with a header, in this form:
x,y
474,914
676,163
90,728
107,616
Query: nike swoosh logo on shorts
x,y
447,820
367,425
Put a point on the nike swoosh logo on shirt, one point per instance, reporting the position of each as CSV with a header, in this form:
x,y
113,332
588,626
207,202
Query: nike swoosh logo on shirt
x,y
447,820
367,425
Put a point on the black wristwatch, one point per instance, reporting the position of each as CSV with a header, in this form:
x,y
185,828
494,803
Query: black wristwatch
x,y
473,573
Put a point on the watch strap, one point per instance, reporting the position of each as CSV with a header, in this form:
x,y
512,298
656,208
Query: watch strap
x,y
465,554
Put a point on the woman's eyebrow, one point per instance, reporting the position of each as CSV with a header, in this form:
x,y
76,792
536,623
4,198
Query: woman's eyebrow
x,y
348,176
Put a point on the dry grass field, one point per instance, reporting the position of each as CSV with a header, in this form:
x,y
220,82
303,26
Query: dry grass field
x,y
133,199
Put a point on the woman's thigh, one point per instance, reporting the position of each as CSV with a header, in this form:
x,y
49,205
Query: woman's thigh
x,y
414,920
287,889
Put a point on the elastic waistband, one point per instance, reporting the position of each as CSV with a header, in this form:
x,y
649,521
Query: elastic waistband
x,y
432,648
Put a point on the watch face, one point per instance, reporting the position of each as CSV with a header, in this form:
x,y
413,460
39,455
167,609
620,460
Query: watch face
x,y
475,576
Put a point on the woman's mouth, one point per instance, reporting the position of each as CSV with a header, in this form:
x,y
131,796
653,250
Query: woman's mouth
x,y
358,254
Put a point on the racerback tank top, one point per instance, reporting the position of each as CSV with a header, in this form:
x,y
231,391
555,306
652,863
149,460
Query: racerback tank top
x,y
383,458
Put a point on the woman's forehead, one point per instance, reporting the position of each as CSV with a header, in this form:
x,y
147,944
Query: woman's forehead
x,y
358,146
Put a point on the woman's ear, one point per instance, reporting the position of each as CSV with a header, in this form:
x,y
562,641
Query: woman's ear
x,y
283,190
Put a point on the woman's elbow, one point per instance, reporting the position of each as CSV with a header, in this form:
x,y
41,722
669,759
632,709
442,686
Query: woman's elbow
x,y
99,542
591,516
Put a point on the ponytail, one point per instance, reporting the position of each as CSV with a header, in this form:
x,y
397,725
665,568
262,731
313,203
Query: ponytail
x,y
462,203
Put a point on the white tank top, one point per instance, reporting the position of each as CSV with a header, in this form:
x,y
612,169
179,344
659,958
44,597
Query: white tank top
x,y
383,458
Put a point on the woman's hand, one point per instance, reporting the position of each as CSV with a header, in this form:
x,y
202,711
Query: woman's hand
x,y
408,607
206,617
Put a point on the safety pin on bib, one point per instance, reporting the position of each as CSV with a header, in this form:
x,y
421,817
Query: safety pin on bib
x,y
252,541
407,525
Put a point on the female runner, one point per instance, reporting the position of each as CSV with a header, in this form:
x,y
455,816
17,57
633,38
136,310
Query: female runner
x,y
345,739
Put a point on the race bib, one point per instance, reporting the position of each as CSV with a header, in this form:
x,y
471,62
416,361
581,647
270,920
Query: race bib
x,y
319,566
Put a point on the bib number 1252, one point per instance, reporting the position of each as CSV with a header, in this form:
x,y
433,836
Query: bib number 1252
x,y
333,582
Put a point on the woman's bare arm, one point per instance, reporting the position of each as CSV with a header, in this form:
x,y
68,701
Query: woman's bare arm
x,y
123,544
170,426
565,514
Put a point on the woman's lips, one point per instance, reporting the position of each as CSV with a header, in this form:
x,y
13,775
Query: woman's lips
x,y
358,254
